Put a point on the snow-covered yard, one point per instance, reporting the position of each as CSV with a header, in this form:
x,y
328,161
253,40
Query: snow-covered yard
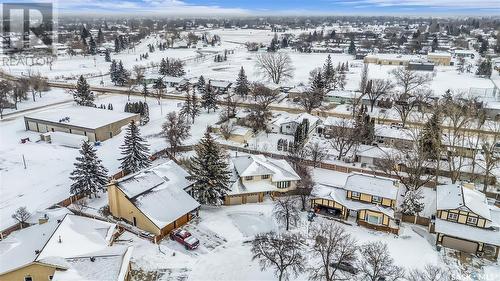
x,y
225,252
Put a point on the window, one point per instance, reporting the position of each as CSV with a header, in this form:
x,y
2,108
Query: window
x,y
355,194
472,220
376,199
283,184
452,216
264,177
28,278
373,219
249,178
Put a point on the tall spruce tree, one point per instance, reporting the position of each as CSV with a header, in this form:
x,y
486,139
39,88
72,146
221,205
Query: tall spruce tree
x,y
100,36
195,106
242,86
82,95
107,56
187,107
92,46
209,99
135,150
163,70
200,85
89,176
122,74
328,73
352,48
430,140
209,171
112,71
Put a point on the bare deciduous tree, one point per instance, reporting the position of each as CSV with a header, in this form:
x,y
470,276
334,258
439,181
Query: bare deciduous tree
x,y
286,212
259,109
282,252
379,89
316,152
430,273
176,130
344,136
21,215
305,185
375,263
333,245
226,129
275,66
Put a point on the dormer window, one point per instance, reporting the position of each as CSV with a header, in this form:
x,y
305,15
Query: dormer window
x,y
376,199
355,194
264,177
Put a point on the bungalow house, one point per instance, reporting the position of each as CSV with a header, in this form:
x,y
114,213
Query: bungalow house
x,y
345,97
390,59
464,220
370,200
257,175
386,135
331,123
155,200
297,91
220,86
179,83
66,248
369,155
287,124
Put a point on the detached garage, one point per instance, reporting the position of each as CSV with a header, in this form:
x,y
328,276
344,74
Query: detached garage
x,y
95,123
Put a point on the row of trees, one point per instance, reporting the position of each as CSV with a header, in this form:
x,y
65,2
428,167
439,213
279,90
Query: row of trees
x,y
14,92
329,252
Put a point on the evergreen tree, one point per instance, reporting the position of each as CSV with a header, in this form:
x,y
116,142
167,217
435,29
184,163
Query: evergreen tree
x,y
163,67
352,48
117,45
242,86
430,138
113,71
84,34
145,91
195,106
122,74
82,95
328,73
317,83
209,100
210,172
100,37
107,56
92,46
200,86
412,203
187,107
89,175
135,151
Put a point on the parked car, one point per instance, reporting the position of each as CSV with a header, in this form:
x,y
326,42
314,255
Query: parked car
x,y
344,266
185,238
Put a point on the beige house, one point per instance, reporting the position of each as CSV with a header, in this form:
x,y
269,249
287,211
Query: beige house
x,y
95,123
369,200
439,58
65,248
155,200
254,176
465,221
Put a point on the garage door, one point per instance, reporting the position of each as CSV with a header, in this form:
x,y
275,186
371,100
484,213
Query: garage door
x,y
458,244
253,198
32,126
181,221
235,200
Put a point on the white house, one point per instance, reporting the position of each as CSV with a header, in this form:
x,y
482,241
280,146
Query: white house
x,y
254,176
287,124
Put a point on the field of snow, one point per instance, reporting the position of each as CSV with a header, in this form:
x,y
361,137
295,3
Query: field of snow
x,y
45,180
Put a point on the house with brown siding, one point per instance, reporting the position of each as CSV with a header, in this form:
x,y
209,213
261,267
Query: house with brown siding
x,y
465,221
155,200
370,200
255,176
68,246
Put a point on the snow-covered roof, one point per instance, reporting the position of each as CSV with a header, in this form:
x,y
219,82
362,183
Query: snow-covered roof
x,y
240,130
373,185
53,241
339,195
439,54
220,83
172,79
339,122
284,118
108,265
81,116
343,94
258,165
455,196
387,131
467,232
237,187
159,192
375,151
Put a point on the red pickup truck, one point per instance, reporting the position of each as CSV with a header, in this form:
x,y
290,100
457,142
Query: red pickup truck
x,y
185,238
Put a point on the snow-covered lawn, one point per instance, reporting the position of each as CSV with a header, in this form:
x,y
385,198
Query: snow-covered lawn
x,y
45,181
228,255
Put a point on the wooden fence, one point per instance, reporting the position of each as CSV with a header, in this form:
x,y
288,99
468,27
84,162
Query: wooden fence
x,y
416,220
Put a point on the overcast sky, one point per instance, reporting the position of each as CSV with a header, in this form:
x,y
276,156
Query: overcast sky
x,y
284,7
